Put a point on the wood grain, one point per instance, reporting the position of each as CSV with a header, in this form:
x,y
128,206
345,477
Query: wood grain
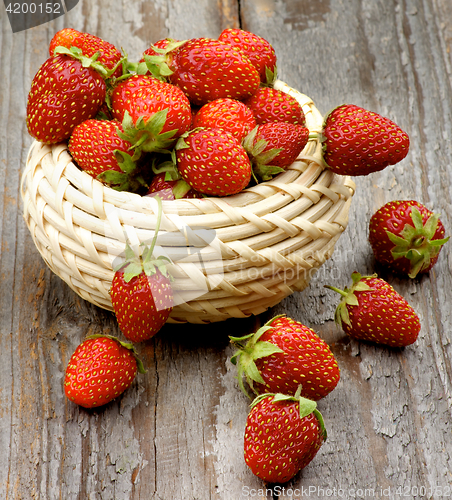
x,y
178,432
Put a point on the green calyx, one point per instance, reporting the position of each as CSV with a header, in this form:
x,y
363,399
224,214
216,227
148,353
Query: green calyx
x,y
158,65
126,345
261,159
129,178
89,62
349,298
249,349
306,406
147,135
146,263
416,242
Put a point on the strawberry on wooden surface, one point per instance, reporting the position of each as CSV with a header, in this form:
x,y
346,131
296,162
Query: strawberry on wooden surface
x,y
64,92
213,162
283,356
89,44
406,237
227,114
274,146
372,310
98,150
141,291
272,105
100,369
282,436
360,142
258,50
153,113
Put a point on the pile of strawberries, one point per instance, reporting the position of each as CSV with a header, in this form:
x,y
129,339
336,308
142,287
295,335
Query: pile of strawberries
x,y
201,118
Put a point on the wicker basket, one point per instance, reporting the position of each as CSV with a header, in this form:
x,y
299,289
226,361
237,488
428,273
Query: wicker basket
x,y
231,257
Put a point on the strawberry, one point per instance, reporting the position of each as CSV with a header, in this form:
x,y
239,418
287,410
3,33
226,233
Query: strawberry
x,y
284,355
170,189
98,150
100,369
359,142
65,91
272,105
153,113
258,50
213,162
372,310
89,44
282,436
406,237
141,291
228,114
207,69
274,146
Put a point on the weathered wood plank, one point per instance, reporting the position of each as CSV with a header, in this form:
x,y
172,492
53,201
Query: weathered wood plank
x,y
178,432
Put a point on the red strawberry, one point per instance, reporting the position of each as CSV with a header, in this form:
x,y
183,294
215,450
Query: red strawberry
x,y
282,435
272,105
258,50
153,113
228,114
99,151
406,237
170,189
213,162
284,355
63,94
207,69
141,291
372,310
274,146
89,44
100,369
359,142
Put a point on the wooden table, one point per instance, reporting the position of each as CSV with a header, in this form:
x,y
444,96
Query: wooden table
x,y
178,432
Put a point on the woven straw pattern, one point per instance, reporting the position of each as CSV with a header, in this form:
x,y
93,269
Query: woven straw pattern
x,y
245,253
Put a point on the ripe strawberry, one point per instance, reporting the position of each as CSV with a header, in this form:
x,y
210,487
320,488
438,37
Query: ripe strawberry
x,y
372,310
359,142
213,162
141,291
272,105
258,50
274,146
284,355
63,94
406,237
99,151
282,435
100,369
171,189
153,113
227,114
89,44
207,69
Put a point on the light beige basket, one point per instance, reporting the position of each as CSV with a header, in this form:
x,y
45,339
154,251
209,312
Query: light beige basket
x,y
245,253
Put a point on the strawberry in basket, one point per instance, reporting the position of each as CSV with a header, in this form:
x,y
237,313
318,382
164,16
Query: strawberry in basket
x,y
359,142
258,50
68,89
153,113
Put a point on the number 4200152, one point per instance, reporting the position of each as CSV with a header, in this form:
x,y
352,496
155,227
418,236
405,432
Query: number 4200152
x,y
34,8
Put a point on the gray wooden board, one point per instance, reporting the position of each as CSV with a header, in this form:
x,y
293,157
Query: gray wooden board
x,y
178,432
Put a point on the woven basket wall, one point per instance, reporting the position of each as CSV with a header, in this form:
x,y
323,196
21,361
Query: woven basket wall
x,y
231,257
